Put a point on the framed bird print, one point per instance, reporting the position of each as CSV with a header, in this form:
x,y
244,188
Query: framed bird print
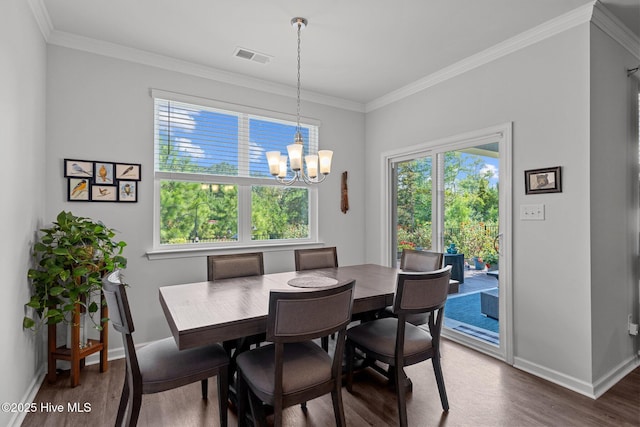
x,y
78,190
103,173
127,191
78,168
129,171
104,193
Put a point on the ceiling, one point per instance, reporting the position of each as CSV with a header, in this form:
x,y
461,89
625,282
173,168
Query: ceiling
x,y
356,50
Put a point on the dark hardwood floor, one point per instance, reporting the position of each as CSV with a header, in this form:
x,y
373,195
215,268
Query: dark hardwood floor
x,y
482,392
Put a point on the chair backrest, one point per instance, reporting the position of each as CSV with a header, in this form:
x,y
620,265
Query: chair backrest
x,y
114,293
306,315
412,260
421,292
120,316
235,265
310,259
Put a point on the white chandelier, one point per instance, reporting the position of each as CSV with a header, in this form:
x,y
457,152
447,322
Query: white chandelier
x,y
315,163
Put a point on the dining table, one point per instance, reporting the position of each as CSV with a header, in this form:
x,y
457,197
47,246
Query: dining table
x,y
202,313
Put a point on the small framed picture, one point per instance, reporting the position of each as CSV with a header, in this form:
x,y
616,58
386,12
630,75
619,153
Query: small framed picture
x,y
78,189
104,193
127,191
78,168
546,180
129,171
103,173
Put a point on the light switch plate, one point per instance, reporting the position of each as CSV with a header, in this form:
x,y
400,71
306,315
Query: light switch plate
x,y
532,212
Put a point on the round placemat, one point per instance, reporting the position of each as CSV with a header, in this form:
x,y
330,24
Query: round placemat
x,y
312,282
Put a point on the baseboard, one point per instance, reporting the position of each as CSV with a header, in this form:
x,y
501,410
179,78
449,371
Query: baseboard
x,y
591,390
615,375
29,396
36,382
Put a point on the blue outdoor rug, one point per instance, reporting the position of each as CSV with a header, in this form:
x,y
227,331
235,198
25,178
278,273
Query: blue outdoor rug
x,y
466,309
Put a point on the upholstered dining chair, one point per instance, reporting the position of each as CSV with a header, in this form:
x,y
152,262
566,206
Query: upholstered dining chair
x,y
235,265
309,259
398,343
413,260
294,369
160,366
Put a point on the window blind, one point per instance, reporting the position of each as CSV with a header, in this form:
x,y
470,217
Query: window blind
x,y
204,140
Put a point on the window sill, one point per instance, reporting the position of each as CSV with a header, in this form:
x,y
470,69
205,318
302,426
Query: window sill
x,y
170,253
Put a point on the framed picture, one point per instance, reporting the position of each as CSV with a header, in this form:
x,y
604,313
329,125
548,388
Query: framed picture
x,y
103,173
78,189
130,171
78,168
104,193
547,180
127,191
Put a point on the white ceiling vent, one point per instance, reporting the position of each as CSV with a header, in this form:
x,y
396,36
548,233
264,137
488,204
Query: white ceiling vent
x,y
251,55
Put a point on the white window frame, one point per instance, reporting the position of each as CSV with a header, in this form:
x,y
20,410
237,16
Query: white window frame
x,y
243,183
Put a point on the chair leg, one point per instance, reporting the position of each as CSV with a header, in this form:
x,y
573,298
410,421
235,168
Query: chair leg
x,y
401,394
223,396
338,407
324,343
204,385
349,354
257,410
124,400
437,369
242,400
136,403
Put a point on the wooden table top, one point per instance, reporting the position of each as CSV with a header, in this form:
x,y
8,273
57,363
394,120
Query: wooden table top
x,y
202,313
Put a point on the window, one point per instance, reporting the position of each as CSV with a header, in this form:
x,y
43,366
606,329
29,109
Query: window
x,y
213,185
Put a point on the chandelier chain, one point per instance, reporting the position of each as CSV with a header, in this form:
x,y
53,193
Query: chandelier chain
x,y
298,92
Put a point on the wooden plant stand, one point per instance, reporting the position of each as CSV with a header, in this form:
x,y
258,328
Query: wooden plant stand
x,y
76,355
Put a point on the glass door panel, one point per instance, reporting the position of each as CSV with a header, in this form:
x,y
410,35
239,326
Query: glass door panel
x,y
412,210
470,228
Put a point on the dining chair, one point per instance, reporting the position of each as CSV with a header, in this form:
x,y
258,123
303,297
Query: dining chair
x,y
160,366
234,265
398,343
310,259
294,369
230,266
413,260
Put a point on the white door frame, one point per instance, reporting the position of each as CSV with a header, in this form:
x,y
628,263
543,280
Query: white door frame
x,y
502,134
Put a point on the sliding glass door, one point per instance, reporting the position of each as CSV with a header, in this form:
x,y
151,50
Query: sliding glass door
x,y
449,198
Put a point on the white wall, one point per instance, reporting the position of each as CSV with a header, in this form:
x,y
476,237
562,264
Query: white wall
x,y
99,108
544,90
22,131
614,203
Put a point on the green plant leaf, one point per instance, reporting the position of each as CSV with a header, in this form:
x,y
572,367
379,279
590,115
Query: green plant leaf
x,y
28,323
56,290
93,307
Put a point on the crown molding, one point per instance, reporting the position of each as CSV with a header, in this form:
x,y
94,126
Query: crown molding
x,y
607,22
42,18
541,32
125,53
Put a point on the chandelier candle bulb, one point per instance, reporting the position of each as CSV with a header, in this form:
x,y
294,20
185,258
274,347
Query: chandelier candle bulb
x,y
283,167
295,154
312,165
325,161
273,158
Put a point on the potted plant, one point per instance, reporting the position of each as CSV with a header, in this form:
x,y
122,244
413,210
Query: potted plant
x,y
491,259
72,256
